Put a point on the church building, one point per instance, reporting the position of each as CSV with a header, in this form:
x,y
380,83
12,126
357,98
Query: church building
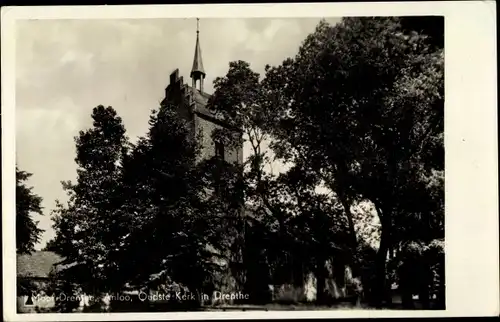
x,y
193,105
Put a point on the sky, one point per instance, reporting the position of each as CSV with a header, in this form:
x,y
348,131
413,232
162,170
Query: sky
x,y
64,68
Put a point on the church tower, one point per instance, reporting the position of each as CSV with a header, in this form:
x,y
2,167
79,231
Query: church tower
x,y
192,104
197,72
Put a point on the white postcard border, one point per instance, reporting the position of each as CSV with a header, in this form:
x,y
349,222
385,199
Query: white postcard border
x,y
472,281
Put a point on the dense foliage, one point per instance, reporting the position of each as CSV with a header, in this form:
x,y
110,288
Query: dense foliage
x,y
27,203
344,179
362,106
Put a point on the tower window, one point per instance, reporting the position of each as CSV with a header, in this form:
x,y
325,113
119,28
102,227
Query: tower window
x,y
219,150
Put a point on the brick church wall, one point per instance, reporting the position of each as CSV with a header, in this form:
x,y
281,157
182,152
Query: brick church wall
x,y
190,108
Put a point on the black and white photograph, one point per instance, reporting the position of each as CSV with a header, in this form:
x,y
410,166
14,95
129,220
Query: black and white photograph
x,y
227,164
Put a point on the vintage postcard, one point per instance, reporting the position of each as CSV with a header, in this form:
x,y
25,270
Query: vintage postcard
x,y
249,161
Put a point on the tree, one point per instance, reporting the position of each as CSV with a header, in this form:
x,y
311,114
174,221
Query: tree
x,y
431,26
51,246
236,101
140,214
297,229
165,199
27,203
89,227
362,105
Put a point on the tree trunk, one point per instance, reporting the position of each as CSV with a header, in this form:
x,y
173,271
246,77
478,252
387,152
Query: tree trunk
x,y
356,268
381,293
321,281
425,285
352,229
441,289
424,296
355,265
406,282
407,299
380,271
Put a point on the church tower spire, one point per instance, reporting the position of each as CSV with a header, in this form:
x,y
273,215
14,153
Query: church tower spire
x,y
197,72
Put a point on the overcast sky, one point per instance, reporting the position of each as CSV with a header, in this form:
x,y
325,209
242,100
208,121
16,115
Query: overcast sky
x,y
64,68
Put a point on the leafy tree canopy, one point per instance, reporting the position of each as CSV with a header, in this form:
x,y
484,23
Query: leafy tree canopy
x,y
27,203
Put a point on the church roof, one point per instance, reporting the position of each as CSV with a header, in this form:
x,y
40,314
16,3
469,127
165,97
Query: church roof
x,y
38,264
199,97
201,100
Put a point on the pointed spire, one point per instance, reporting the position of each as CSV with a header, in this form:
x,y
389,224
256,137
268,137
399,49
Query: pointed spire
x,y
198,72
